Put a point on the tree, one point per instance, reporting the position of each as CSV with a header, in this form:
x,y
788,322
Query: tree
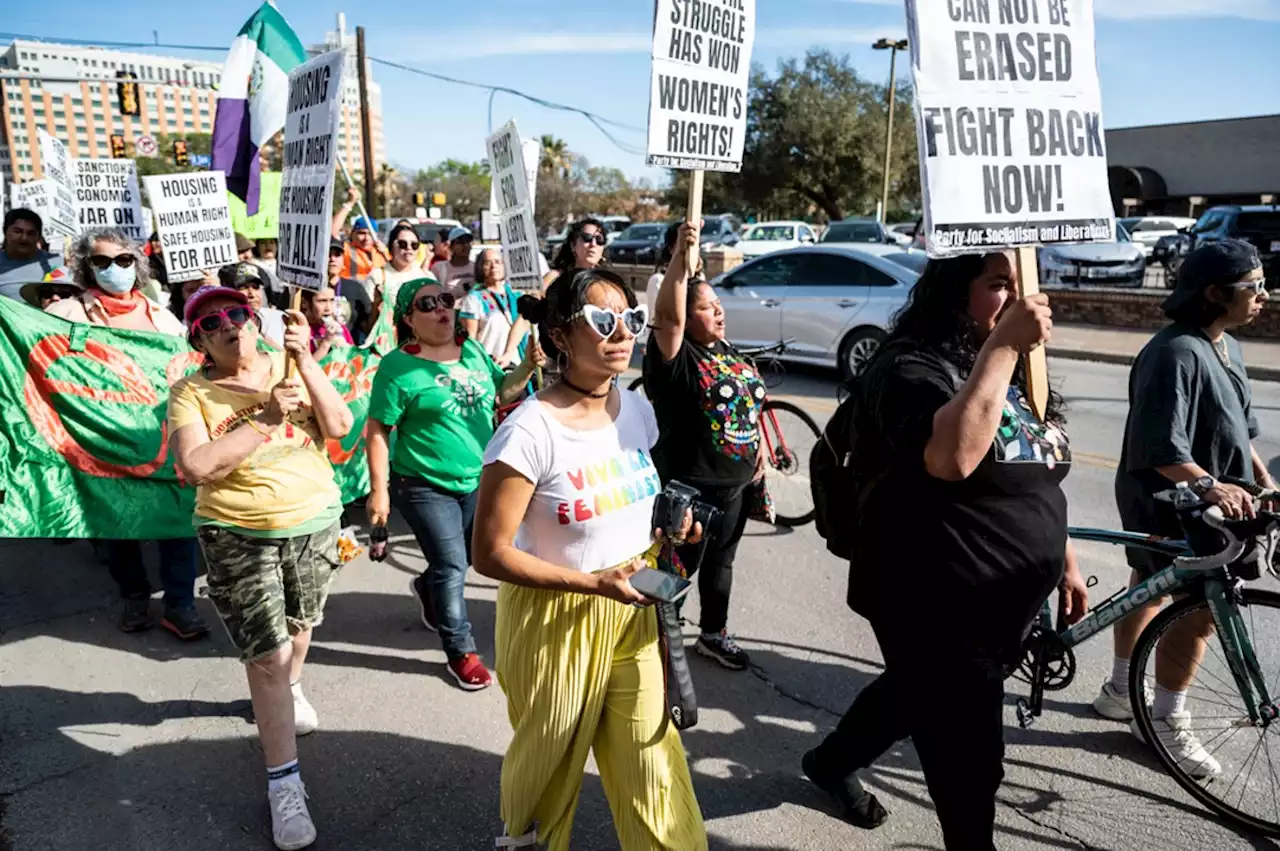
x,y
556,158
815,145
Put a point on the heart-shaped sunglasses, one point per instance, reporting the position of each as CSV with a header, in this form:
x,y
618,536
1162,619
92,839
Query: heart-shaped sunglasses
x,y
605,322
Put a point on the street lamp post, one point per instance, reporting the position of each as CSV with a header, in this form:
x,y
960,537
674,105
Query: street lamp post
x,y
893,47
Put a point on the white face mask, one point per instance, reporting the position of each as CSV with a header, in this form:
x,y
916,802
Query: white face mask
x,y
116,279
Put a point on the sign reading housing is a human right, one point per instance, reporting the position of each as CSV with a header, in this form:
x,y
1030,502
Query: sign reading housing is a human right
x,y
306,186
1009,123
193,221
519,234
698,92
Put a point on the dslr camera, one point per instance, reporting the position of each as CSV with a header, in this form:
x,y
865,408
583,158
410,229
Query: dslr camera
x,y
672,503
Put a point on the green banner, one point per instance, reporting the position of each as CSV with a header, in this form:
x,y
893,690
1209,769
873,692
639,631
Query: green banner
x,y
84,442
266,224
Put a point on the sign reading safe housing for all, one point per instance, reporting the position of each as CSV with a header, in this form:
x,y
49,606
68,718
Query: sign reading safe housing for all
x,y
699,89
310,155
1009,123
193,221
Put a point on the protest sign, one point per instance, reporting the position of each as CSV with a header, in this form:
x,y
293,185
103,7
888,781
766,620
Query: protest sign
x,y
1009,123
306,190
265,224
519,234
532,149
61,218
193,221
107,196
52,202
699,87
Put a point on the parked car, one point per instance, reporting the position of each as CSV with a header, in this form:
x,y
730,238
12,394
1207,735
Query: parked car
x,y
720,229
837,301
552,242
614,226
1109,264
775,236
638,245
1258,224
1146,231
858,231
426,229
904,233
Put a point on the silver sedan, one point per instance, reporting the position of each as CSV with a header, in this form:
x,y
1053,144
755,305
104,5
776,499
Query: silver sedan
x,y
836,301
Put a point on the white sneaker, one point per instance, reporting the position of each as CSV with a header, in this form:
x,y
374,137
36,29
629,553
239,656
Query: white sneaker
x,y
291,825
1174,733
305,718
1112,704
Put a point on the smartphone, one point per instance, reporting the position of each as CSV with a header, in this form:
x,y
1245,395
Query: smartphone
x,y
657,585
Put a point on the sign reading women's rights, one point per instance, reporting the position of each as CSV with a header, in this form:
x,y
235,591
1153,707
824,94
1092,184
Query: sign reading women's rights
x,y
306,185
698,91
1009,122
193,221
519,235
107,196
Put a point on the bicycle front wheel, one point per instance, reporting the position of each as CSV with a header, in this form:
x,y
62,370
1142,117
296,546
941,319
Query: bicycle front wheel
x,y
1214,750
789,437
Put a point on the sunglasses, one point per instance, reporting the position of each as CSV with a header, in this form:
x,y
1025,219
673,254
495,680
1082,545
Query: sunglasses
x,y
406,245
101,261
429,303
1259,286
605,322
233,317
597,238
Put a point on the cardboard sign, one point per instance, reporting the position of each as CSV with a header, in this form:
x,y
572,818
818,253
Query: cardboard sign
x,y
532,150
266,223
1009,124
60,218
519,234
699,86
193,221
52,202
310,155
107,196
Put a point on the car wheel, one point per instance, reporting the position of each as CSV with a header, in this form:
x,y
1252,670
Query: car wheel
x,y
858,348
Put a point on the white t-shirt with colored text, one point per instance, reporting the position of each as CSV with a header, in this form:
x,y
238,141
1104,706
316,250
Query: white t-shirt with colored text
x,y
594,490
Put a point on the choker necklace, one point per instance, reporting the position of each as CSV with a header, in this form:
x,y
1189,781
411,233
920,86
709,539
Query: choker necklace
x,y
575,388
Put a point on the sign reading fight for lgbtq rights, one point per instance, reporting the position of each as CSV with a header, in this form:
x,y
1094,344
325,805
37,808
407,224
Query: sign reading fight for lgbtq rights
x,y
698,91
1009,123
519,234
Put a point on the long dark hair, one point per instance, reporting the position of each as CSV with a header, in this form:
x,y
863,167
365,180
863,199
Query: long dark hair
x,y
562,301
565,262
936,317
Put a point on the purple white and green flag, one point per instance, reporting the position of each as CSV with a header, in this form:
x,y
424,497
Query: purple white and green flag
x,y
253,98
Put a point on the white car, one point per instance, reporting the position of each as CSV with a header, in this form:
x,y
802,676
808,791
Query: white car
x,y
775,236
1146,231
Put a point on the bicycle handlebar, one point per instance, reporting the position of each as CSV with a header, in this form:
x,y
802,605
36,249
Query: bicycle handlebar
x,y
774,348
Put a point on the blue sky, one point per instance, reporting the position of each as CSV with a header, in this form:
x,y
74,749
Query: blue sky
x,y
1160,60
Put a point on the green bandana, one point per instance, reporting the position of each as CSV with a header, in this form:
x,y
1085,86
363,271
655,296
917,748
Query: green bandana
x,y
404,297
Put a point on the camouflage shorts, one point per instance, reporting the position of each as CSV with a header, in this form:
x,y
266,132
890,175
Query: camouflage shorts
x,y
267,589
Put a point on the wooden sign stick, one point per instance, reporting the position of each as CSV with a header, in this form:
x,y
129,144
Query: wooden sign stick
x,y
694,217
295,303
1034,363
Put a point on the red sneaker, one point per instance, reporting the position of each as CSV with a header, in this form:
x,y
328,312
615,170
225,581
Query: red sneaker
x,y
470,672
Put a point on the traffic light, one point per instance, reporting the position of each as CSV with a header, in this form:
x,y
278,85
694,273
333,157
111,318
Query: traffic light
x,y
127,93
420,199
117,147
438,199
180,152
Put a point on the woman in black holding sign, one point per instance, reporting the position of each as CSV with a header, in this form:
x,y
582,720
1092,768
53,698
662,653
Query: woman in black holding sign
x,y
962,509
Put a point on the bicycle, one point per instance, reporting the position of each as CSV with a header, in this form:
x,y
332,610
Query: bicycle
x,y
786,459
1210,582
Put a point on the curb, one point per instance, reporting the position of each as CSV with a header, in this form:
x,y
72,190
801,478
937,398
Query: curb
x,y
1257,373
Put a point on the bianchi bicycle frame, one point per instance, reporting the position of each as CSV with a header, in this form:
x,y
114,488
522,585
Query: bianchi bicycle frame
x,y
1218,587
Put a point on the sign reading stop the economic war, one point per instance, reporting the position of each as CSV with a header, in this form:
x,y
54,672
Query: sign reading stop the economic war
x,y
699,88
310,154
519,234
85,447
107,196
194,222
1009,122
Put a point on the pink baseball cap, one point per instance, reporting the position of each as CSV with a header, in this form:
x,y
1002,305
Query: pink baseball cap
x,y
205,294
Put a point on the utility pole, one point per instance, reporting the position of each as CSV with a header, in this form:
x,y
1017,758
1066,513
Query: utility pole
x,y
893,47
366,127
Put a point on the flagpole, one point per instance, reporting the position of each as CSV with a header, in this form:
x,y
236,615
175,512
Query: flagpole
x,y
351,183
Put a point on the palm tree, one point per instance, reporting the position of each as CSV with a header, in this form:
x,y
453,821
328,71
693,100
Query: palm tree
x,y
556,157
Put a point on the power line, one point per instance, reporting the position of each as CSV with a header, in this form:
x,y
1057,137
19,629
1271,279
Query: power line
x,y
598,121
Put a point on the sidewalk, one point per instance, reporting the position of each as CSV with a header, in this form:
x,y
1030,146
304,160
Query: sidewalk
x,y
1121,345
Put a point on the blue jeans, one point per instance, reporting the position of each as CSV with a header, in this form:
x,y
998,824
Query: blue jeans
x,y
441,521
177,570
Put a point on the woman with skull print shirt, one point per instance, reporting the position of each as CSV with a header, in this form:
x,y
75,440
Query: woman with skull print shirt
x,y
438,392
701,387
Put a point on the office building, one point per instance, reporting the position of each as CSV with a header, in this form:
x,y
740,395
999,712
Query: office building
x,y
350,147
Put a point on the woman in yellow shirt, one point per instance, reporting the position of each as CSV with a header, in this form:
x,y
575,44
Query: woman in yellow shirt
x,y
251,440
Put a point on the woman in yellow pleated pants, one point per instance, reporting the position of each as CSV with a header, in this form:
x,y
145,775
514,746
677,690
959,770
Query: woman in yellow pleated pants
x,y
563,520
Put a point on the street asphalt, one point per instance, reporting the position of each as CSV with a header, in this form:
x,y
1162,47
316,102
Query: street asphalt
x,y
123,742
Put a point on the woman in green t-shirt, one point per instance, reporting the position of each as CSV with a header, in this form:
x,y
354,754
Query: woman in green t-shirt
x,y
439,391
